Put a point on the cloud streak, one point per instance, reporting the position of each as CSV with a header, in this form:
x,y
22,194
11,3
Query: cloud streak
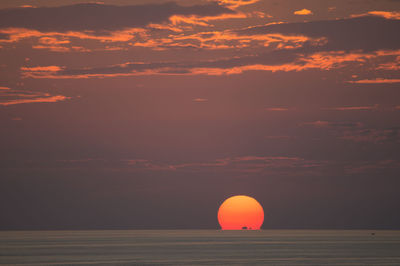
x,y
354,108
277,109
279,60
236,3
244,164
375,81
391,135
321,123
384,14
12,97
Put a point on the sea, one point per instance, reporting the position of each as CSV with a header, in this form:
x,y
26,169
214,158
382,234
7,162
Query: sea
x,y
201,247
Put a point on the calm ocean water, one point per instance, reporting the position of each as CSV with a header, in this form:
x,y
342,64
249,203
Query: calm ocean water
x,y
200,247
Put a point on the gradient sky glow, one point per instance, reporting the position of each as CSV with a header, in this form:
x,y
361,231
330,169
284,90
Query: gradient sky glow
x,y
149,114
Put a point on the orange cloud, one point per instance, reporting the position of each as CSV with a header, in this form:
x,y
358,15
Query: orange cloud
x,y
52,41
303,12
58,40
203,21
17,34
57,45
164,27
143,36
375,81
42,69
228,39
329,60
12,97
39,71
49,99
394,65
259,14
193,20
321,61
236,3
390,66
55,48
384,14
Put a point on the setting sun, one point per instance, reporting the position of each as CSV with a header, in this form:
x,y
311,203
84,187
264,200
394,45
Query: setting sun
x,y
240,212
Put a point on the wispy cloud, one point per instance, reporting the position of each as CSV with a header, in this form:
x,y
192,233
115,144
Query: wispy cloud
x,y
200,100
281,60
375,81
236,3
46,99
247,164
354,108
321,123
242,165
391,135
12,97
392,66
224,39
277,109
372,166
384,14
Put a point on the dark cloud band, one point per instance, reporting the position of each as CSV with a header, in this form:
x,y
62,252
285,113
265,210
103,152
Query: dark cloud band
x,y
97,17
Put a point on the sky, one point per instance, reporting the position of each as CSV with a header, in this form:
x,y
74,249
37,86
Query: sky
x,y
133,114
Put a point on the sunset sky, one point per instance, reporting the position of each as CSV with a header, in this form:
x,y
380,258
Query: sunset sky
x,y
150,113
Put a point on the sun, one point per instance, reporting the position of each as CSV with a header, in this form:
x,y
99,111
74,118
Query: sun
x,y
240,212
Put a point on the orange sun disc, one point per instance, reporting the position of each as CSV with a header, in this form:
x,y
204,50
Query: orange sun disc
x,y
240,212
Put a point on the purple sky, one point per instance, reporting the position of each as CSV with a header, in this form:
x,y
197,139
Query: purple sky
x,y
149,114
